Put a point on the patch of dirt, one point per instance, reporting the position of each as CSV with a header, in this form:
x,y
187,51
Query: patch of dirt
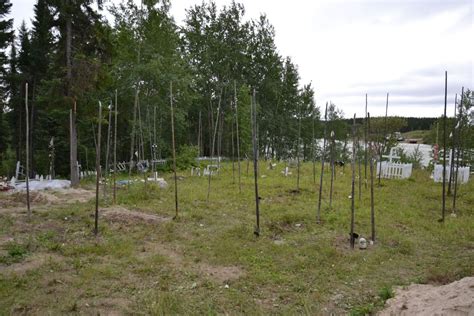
x,y
456,298
216,273
32,262
121,214
110,306
11,202
220,273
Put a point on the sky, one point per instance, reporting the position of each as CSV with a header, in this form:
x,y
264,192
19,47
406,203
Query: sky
x,y
349,48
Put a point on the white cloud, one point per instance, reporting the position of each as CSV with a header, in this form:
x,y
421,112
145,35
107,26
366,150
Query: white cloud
x,y
349,48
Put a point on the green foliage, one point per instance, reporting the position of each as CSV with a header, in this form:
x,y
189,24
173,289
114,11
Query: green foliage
x,y
386,293
186,157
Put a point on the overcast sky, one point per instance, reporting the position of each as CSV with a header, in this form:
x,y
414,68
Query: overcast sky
x,y
353,47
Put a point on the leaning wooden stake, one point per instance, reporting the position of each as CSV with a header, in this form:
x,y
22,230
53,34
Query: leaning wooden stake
x,y
458,152
97,170
353,183
115,150
383,142
174,153
213,146
451,158
255,163
444,146
371,162
27,172
237,134
323,154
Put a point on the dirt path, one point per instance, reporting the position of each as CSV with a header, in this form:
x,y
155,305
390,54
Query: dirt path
x,y
456,298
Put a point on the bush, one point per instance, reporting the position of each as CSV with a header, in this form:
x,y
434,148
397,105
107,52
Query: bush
x,y
186,157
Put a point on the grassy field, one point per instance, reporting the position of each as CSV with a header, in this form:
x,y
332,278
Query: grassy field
x,y
418,134
209,262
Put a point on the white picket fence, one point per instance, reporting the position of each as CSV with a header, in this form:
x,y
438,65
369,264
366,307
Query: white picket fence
x,y
463,174
394,170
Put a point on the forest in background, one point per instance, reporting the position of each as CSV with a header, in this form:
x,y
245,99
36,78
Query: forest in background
x,y
72,57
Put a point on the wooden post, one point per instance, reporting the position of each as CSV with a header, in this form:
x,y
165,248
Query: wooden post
x,y
233,150
383,142
365,142
213,145
97,169
332,166
27,171
323,154
314,146
174,152
451,158
353,183
255,163
132,138
444,146
115,150
298,150
360,169
458,152
237,132
371,162
107,151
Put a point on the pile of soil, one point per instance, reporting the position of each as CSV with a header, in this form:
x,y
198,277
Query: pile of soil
x,y
456,298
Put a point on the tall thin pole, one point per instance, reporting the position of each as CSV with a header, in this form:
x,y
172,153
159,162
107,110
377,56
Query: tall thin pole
x,y
233,149
332,166
199,135
371,162
109,131
115,149
365,142
353,183
255,163
314,146
27,174
459,149
451,158
174,152
382,147
237,133
213,143
97,169
132,138
298,150
444,145
323,154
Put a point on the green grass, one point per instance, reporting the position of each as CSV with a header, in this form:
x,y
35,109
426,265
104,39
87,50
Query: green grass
x,y
418,134
295,266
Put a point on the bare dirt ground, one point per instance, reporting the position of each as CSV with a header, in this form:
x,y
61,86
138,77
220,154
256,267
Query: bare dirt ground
x,y
455,298
15,201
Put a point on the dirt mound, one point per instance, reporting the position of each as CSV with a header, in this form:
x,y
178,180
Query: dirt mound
x,y
121,214
456,298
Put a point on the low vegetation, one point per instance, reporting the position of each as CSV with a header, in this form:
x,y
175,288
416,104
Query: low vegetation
x,y
209,262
